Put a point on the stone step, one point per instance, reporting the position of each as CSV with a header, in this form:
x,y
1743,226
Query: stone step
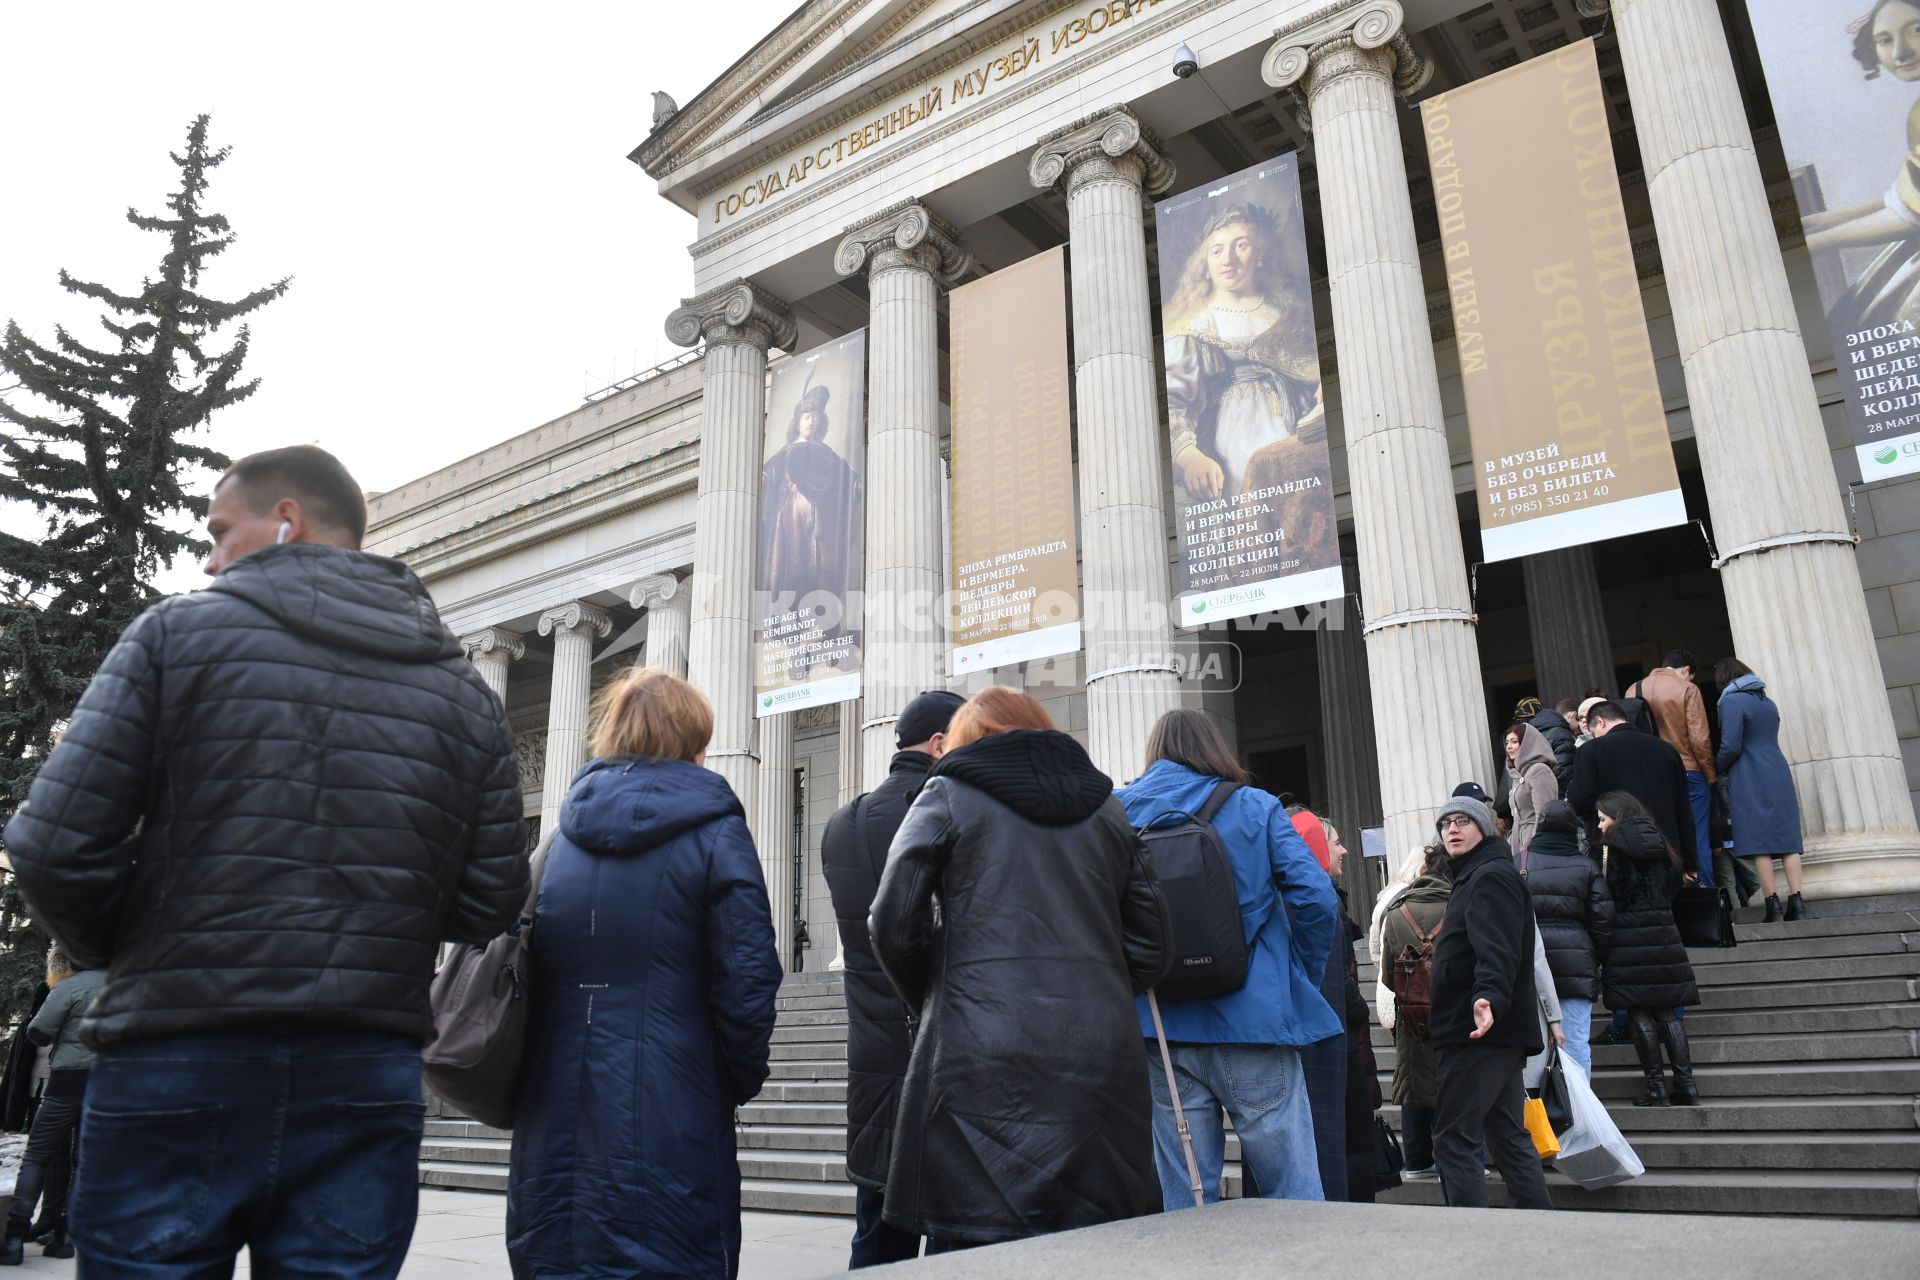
x,y
772,1195
1804,948
1769,1192
1766,1081
809,1069
1736,969
484,1151
821,1051
803,1091
813,1017
792,1137
1898,904
1800,1151
793,1166
785,1032
460,1129
1808,995
824,1002
1772,1023
463,1177
1711,1051
1829,926
793,1113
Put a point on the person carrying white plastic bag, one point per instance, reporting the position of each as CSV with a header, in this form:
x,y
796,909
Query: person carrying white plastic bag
x,y
1592,1152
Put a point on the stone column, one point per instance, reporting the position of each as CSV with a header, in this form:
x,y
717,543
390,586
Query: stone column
x,y
1419,622
850,789
1786,557
738,322
1571,652
773,832
1107,162
490,649
573,628
669,606
1347,727
909,253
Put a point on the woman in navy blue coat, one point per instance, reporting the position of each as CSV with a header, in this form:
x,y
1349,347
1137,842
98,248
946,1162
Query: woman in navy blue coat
x,y
1765,810
652,1004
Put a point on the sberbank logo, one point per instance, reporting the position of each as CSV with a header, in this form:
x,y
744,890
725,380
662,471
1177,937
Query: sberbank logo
x,y
767,701
1198,606
784,696
1886,456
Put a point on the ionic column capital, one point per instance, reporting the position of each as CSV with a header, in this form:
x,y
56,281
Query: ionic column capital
x,y
907,236
1592,8
1109,146
494,640
659,591
577,615
1358,37
737,312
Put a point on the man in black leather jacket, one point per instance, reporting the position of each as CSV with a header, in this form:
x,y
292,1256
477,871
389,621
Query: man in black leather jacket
x,y
275,800
854,853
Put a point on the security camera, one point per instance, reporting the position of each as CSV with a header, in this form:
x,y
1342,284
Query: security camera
x,y
1184,61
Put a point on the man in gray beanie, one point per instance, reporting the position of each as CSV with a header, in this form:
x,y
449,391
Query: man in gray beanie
x,y
1483,1021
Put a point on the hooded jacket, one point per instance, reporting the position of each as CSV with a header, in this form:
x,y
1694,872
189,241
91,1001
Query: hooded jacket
x,y
1534,786
1647,965
1025,1108
1287,908
1560,741
654,978
1764,808
1574,911
276,798
853,853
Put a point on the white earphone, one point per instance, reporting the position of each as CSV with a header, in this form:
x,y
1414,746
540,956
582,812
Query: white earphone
x,y
286,527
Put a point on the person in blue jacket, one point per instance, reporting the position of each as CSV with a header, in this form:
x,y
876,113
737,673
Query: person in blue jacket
x,y
654,974
1241,1052
1765,810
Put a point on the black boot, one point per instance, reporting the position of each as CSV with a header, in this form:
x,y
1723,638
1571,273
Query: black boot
x,y
1796,907
12,1250
1773,909
59,1245
1646,1043
1674,1036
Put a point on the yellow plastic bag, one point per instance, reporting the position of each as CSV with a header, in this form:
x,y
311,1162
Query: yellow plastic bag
x,y
1537,1124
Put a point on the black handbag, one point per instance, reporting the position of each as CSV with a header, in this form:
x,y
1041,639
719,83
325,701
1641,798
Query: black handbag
x,y
1704,917
1387,1158
1555,1093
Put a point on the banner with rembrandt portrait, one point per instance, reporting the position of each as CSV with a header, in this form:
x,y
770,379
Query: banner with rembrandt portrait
x,y
806,633
1252,478
1844,77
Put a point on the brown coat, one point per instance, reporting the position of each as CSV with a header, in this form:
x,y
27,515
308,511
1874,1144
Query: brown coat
x,y
1680,714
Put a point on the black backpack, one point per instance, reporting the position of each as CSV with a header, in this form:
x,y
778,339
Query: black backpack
x,y
1209,944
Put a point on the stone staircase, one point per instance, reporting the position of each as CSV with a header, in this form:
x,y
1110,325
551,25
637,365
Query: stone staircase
x,y
1806,1047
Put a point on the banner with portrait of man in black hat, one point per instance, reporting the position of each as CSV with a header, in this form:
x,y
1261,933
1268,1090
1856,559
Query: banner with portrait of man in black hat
x,y
812,530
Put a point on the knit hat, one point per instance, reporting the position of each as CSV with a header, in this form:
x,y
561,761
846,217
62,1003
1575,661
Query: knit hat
x,y
1526,709
929,713
1316,837
1558,816
1476,810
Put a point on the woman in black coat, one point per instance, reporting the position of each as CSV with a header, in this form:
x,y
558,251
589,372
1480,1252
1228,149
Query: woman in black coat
x,y
1647,972
653,982
1574,911
1018,916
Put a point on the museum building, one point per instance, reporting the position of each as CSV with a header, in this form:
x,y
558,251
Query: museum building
x,y
867,157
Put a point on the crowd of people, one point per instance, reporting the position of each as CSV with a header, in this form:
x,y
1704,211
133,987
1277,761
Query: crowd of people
x,y
281,794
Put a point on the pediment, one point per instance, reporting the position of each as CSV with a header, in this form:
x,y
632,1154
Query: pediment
x,y
827,52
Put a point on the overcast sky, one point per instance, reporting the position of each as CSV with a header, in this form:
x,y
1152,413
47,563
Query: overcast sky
x,y
447,184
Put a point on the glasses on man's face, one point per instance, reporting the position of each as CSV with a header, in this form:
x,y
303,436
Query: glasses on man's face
x,y
1455,822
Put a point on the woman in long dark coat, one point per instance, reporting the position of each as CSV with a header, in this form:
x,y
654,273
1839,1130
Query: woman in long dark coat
x,y
652,1004
1765,810
1648,973
1025,1109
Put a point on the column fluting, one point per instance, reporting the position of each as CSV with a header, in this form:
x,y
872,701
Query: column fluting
x,y
573,627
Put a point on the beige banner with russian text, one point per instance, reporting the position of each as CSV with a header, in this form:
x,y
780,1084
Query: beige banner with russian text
x,y
1569,433
1014,585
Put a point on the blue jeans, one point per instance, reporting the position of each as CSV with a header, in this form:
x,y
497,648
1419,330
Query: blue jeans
x,y
874,1242
1576,1019
303,1147
1700,796
1263,1090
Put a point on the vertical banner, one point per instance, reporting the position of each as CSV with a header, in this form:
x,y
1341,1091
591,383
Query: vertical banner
x,y
1015,591
1569,434
1252,478
812,530
1844,76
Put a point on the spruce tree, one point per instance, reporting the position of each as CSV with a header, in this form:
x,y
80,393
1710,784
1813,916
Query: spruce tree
x,y
94,438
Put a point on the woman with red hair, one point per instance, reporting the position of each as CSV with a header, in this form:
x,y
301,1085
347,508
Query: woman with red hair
x,y
1017,917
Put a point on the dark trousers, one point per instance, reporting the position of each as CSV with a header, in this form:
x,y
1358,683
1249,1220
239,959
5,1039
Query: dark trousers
x,y
301,1147
1481,1107
47,1167
874,1242
1416,1136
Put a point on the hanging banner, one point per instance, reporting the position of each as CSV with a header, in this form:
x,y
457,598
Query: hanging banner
x,y
1015,592
1844,76
1570,439
1252,478
812,530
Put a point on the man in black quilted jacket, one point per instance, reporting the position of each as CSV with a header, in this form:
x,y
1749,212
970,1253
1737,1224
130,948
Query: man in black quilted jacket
x,y
275,800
